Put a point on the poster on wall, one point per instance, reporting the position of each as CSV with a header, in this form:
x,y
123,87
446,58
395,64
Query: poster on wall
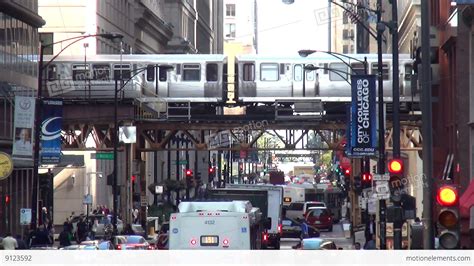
x,y
51,131
24,119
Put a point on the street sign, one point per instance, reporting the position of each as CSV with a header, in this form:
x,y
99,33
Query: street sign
x,y
104,156
87,199
382,190
25,216
182,162
158,189
378,177
144,201
372,206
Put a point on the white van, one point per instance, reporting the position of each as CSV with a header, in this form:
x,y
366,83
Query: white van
x,y
298,209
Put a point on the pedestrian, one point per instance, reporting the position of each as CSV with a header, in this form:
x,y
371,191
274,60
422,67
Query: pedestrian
x,y
304,229
65,237
81,230
21,242
128,230
370,228
370,243
9,243
135,216
95,224
357,246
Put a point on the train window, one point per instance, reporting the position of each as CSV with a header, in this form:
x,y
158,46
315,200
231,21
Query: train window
x,y
385,70
150,73
268,72
338,72
80,72
52,72
124,69
163,73
408,72
191,72
282,69
101,72
297,72
249,72
358,68
211,72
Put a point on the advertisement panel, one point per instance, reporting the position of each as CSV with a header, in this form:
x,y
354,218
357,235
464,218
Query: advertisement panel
x,y
24,119
363,121
51,131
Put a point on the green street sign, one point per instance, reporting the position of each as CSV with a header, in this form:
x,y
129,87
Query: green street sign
x,y
182,162
104,156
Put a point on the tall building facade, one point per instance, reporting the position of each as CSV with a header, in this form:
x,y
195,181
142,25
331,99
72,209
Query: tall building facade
x,y
240,24
19,23
148,26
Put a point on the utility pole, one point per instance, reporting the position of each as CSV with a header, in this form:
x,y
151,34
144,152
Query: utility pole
x,y
381,162
397,225
427,126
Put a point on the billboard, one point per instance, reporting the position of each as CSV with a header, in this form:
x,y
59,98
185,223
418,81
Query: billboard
x,y
363,119
51,131
24,119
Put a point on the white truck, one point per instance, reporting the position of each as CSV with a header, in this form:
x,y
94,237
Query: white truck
x,y
216,225
274,211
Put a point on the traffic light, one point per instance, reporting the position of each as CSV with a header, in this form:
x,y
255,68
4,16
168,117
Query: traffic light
x,y
366,180
448,217
7,199
396,186
357,184
189,173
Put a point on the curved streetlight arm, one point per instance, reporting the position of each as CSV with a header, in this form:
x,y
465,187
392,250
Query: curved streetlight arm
x,y
358,6
336,71
76,39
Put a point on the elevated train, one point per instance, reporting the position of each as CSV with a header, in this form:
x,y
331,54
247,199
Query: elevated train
x,y
200,80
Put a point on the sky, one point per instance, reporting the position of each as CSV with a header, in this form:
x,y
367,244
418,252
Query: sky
x,y
284,29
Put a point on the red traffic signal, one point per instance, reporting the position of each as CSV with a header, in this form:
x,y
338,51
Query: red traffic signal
x,y
134,177
211,170
366,177
189,172
395,166
7,199
447,196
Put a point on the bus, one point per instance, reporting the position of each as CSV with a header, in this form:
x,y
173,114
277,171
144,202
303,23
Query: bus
x,y
216,225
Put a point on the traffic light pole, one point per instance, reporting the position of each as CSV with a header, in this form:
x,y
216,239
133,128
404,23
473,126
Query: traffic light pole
x,y
397,226
381,162
427,127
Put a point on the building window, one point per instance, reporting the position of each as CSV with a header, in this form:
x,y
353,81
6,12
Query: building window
x,y
345,49
230,30
47,38
345,18
230,10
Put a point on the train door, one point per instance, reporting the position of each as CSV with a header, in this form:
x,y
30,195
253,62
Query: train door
x,y
307,87
157,77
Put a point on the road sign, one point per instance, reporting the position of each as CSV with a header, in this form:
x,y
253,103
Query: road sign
x,y
87,199
372,206
104,156
25,216
144,201
182,162
378,177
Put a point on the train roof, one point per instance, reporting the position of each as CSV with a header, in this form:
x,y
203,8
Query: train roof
x,y
317,56
140,57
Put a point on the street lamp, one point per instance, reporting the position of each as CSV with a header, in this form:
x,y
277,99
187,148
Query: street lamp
x,y
88,196
41,67
116,130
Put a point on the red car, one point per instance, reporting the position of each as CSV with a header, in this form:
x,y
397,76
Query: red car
x,y
319,217
133,242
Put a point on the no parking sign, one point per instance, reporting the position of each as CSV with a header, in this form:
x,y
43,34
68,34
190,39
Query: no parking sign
x,y
25,216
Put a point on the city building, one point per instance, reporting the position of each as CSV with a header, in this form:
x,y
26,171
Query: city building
x,y
240,24
19,23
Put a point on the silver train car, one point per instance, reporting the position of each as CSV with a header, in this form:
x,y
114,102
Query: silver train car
x,y
177,78
270,79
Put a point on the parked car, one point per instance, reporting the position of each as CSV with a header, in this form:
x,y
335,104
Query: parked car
x,y
298,209
319,217
315,243
130,242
